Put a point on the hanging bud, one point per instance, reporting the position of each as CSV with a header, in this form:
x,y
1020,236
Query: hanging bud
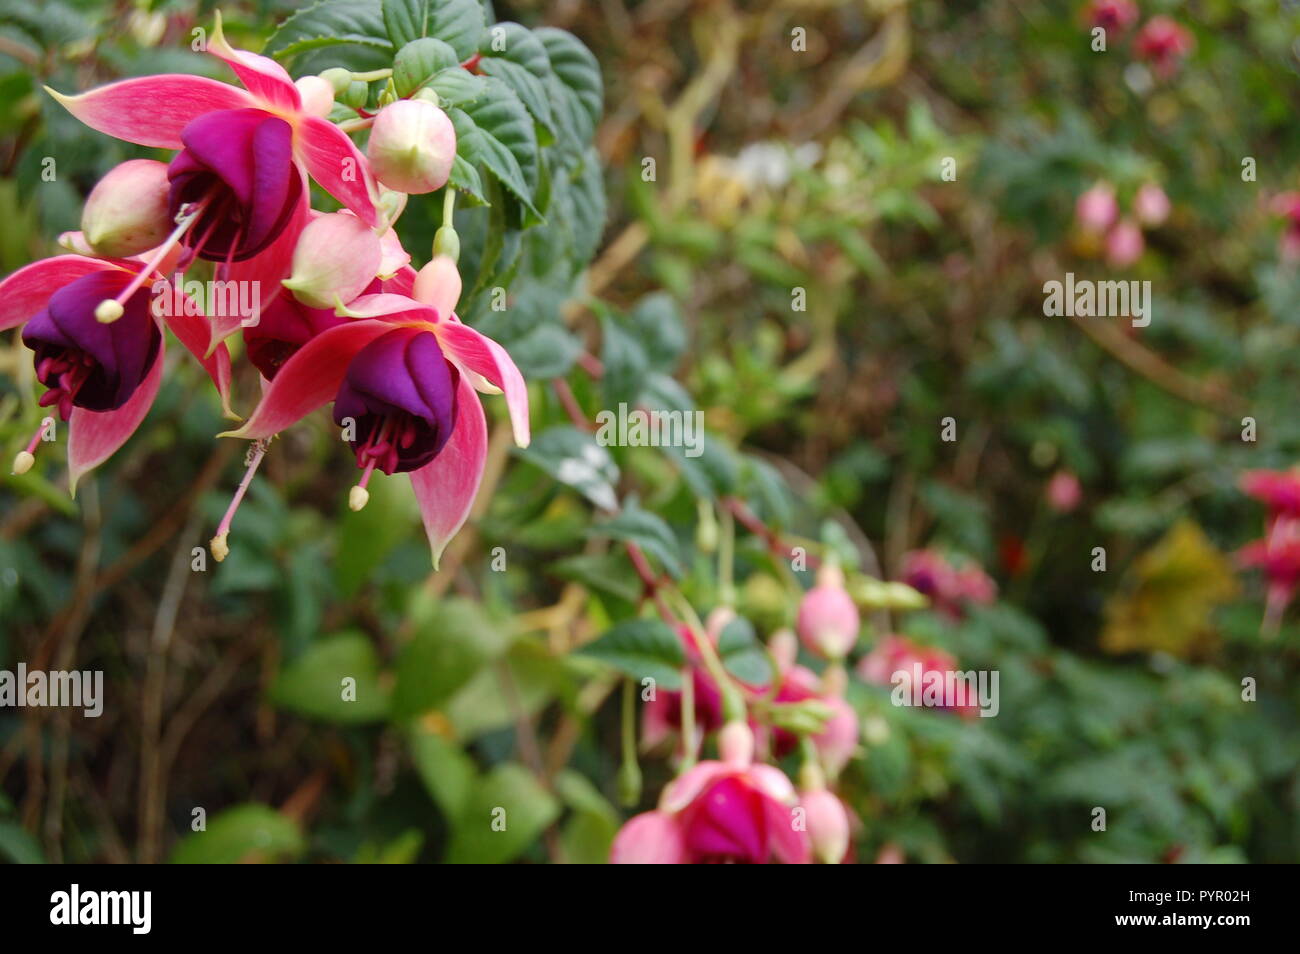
x,y
828,825
447,242
336,257
438,284
317,95
412,146
736,743
126,213
828,620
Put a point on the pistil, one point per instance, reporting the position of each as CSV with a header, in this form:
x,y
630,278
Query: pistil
x,y
220,548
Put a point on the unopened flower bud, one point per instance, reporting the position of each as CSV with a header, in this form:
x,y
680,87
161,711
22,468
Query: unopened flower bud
x,y
1124,244
336,257
126,212
317,95
1151,205
828,825
736,743
828,619
338,78
438,284
447,242
412,146
1097,209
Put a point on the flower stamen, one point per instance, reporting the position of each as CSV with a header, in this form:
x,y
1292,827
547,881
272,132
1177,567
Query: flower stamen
x,y
220,548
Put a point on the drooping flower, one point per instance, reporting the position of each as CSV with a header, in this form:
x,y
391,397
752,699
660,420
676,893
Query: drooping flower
x,y
1278,556
238,188
898,661
828,825
729,810
1163,42
407,402
951,589
102,376
1287,206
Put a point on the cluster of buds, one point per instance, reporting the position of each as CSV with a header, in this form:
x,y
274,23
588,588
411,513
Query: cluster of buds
x,y
338,314
1097,212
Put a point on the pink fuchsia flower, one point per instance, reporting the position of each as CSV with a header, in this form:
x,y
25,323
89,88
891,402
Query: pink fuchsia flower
x,y
951,589
102,375
1278,556
1279,490
408,369
412,146
828,619
897,660
1164,43
1097,209
1124,244
661,717
1116,15
1064,491
730,810
1287,205
126,212
1151,205
336,258
238,188
838,740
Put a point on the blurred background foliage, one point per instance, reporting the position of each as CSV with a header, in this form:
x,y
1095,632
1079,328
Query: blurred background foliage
x,y
774,170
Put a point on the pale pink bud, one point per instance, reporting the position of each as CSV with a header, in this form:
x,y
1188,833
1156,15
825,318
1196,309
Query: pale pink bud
x,y
1151,205
1063,491
828,825
336,257
317,95
126,213
1097,209
412,146
1124,244
438,284
784,647
828,620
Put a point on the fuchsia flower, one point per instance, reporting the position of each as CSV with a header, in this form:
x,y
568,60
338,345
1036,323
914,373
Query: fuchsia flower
x,y
1097,209
1124,244
1278,554
238,193
1164,43
730,810
1278,489
1063,491
1151,205
828,619
404,370
412,146
102,376
1111,14
828,825
900,655
951,589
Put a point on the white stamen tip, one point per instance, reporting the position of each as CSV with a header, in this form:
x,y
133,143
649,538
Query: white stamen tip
x,y
23,462
220,549
108,311
358,497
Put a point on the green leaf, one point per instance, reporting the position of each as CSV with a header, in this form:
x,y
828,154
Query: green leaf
x,y
641,649
466,178
608,572
457,87
18,846
495,130
241,834
328,24
742,654
504,814
576,91
647,530
312,684
548,351
459,23
575,459
419,61
447,771
711,472
625,362
590,832
658,323
448,649
514,55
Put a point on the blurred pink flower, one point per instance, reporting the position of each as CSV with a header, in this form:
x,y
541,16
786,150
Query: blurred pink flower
x,y
1151,205
828,618
1111,14
949,588
1097,208
1124,244
1163,43
1063,491
898,654
1278,489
